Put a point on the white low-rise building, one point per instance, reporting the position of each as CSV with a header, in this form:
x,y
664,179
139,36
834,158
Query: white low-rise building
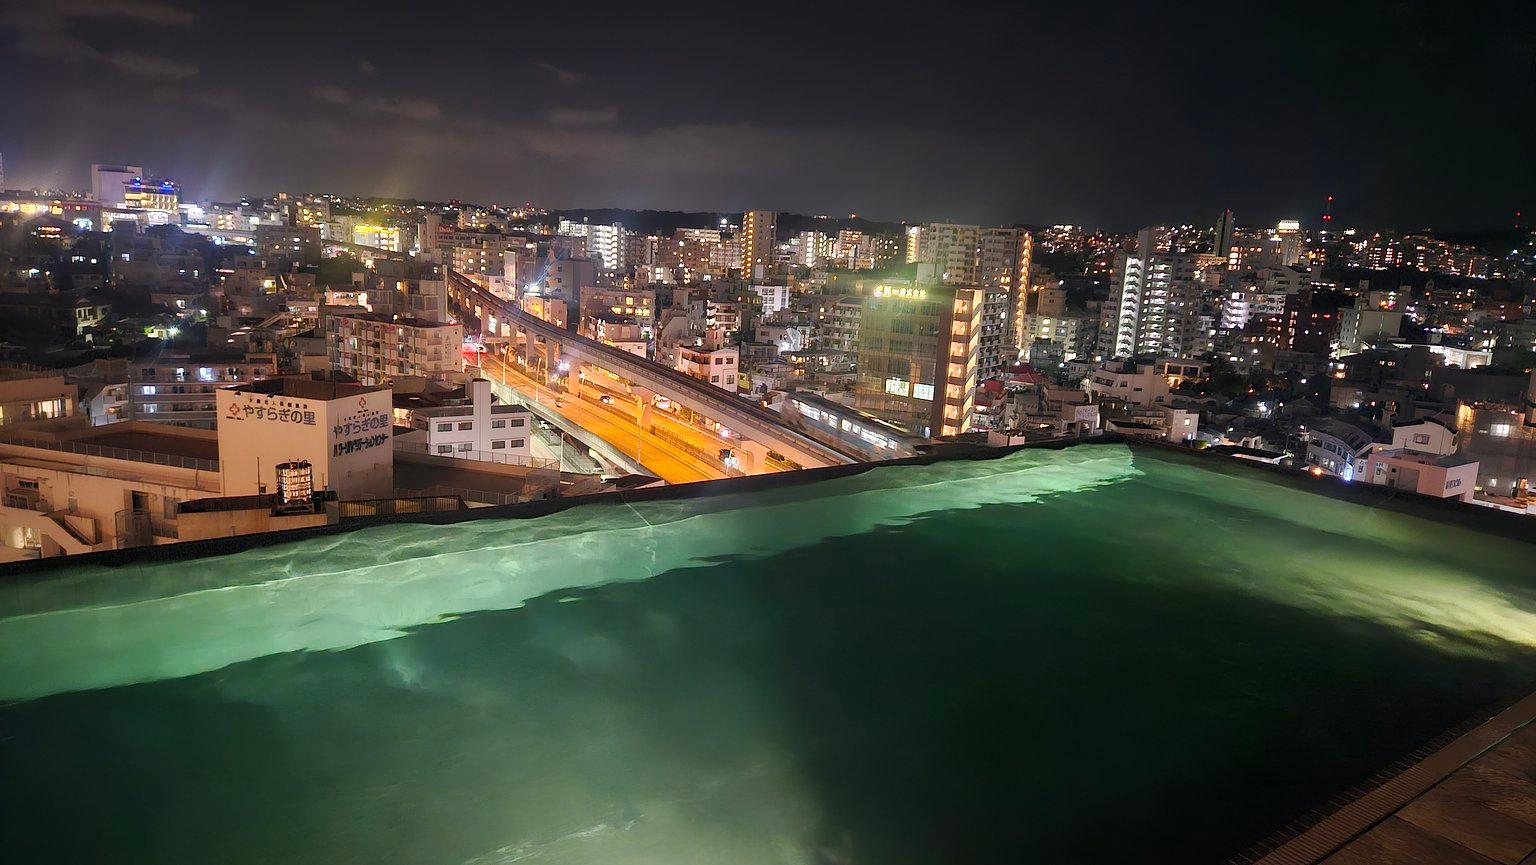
x,y
467,423
1426,435
719,367
1133,384
774,297
1442,476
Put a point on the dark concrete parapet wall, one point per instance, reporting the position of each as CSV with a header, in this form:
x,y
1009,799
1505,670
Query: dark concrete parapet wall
x,y
1450,511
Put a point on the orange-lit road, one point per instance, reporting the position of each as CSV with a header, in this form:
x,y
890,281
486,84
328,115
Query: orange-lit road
x,y
701,439
670,463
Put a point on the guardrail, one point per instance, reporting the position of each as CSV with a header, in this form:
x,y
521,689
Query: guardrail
x,y
478,456
129,454
18,371
782,464
572,457
24,502
698,453
18,420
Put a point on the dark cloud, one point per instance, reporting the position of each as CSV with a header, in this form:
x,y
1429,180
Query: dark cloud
x,y
48,31
583,116
1411,112
332,94
149,66
557,74
412,109
148,12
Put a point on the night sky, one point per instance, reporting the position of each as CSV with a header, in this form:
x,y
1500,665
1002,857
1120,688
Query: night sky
x,y
1414,114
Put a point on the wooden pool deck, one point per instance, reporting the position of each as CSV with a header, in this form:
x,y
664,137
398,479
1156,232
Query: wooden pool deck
x,y
1471,802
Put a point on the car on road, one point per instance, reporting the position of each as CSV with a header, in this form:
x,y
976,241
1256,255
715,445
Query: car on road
x,y
606,399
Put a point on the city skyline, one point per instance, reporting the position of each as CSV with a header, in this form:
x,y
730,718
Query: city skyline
x,y
634,218
770,433
1412,116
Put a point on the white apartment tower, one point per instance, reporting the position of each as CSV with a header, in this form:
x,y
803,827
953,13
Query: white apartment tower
x,y
606,243
1154,301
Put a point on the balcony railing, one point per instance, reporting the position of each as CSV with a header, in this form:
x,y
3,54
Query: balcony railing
x,y
26,500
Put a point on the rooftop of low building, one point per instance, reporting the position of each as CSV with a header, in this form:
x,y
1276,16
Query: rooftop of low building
x,y
316,386
139,441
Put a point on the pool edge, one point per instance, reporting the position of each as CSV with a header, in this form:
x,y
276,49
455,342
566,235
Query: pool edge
x,y
1312,841
1506,525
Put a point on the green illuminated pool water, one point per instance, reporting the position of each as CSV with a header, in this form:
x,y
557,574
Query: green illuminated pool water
x,y
1083,656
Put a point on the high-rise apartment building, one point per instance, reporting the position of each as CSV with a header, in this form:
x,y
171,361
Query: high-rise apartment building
x,y
814,248
1281,246
479,260
855,250
1225,229
693,253
312,210
407,289
918,350
1154,300
913,244
758,231
952,250
1290,240
640,251
566,277
1004,258
386,237
994,259
606,244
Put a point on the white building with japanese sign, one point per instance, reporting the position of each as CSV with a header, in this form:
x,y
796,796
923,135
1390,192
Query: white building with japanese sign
x,y
343,430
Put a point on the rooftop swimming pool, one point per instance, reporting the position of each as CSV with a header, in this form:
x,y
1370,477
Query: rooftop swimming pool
x,y
1090,655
